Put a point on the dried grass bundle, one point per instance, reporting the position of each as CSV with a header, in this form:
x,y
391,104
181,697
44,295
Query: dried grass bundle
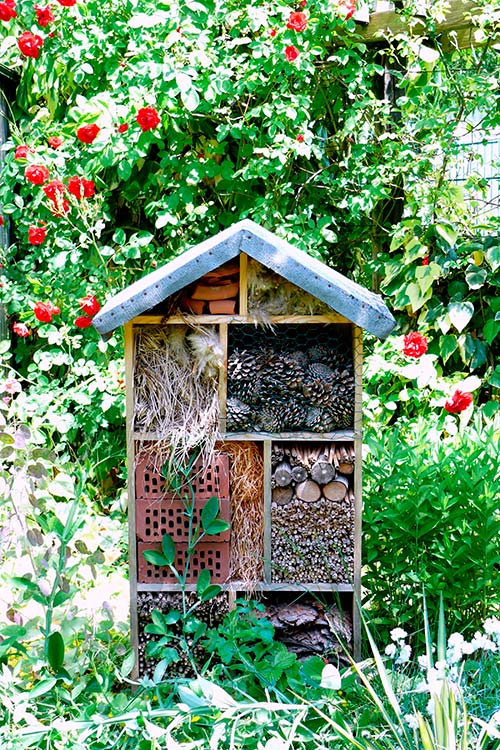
x,y
176,387
270,294
246,474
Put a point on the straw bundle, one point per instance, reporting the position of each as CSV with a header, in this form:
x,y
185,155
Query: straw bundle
x,y
270,294
246,477
176,380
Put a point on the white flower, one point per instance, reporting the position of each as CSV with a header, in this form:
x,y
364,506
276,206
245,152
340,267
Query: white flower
x,y
455,639
411,720
492,626
390,650
483,642
398,634
423,661
404,654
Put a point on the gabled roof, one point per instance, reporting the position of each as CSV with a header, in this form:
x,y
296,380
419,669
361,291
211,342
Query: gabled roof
x,y
344,296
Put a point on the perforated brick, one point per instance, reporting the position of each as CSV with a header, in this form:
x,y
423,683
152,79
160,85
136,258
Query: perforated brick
x,y
206,480
213,557
154,518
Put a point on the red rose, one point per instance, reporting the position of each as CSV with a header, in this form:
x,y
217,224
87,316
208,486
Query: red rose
x,y
90,305
273,32
43,312
55,141
88,133
300,138
346,8
21,330
22,152
291,53
83,321
81,188
44,16
36,173
54,189
297,21
147,118
414,344
122,128
36,235
7,10
425,260
67,3
459,401
30,44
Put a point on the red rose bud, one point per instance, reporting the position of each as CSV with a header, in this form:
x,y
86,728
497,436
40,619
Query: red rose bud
x,y
414,344
297,21
36,235
30,44
122,128
44,16
7,11
55,141
54,309
83,321
67,3
273,32
81,188
300,138
90,305
459,401
88,133
425,260
291,53
2,222
147,118
22,152
20,329
36,174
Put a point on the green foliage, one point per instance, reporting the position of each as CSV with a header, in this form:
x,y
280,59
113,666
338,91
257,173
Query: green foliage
x,y
432,522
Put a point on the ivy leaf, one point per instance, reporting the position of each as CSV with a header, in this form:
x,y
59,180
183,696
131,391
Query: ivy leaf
x,y
476,277
460,314
447,345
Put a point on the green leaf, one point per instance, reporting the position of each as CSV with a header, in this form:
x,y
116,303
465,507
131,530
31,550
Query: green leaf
x,y
447,346
62,486
43,687
168,548
476,277
447,233
493,257
154,557
210,592
491,330
190,99
56,650
127,664
203,581
460,314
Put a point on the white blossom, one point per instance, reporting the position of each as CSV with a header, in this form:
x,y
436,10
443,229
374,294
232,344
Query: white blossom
x,y
390,650
481,641
411,720
404,654
398,634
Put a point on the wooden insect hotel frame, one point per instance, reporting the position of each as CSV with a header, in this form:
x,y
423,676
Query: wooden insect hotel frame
x,y
244,356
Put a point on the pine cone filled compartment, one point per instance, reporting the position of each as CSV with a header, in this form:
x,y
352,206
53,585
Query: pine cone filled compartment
x,y
312,514
290,378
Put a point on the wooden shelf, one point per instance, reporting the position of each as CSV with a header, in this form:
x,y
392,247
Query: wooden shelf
x,y
249,319
340,436
260,587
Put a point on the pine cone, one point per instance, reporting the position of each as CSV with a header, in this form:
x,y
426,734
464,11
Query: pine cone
x,y
238,416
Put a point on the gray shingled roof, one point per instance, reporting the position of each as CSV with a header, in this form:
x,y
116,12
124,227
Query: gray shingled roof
x,y
344,296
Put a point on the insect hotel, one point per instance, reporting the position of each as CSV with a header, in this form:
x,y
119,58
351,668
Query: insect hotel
x,y
244,361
